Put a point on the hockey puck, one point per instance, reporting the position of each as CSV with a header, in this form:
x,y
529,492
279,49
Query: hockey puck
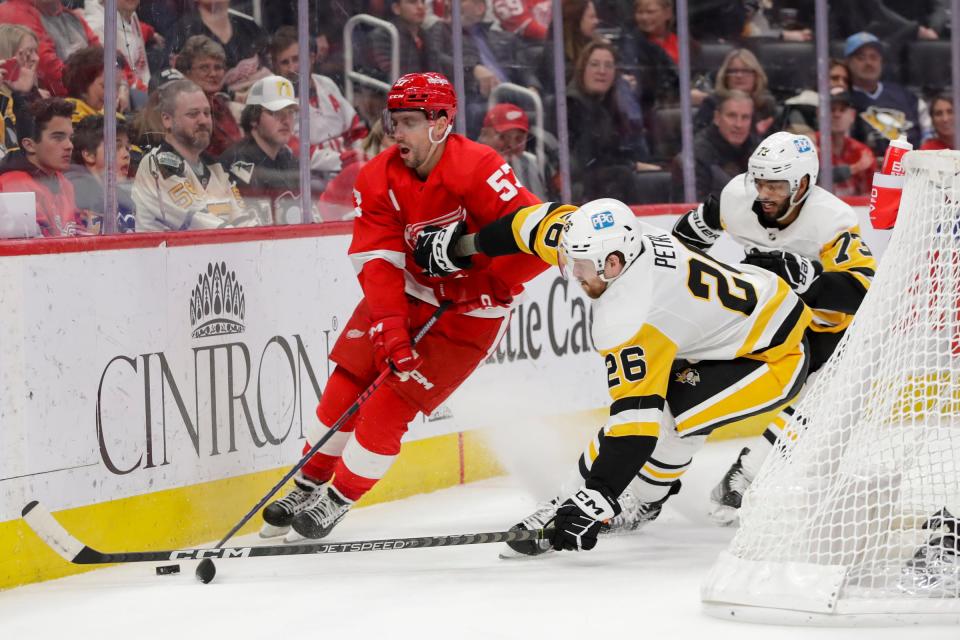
x,y
167,569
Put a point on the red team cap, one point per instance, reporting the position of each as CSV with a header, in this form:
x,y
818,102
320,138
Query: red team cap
x,y
506,116
428,92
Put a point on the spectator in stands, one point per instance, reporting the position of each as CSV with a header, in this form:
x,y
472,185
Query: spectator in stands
x,y
336,201
886,110
60,32
529,19
408,17
605,153
89,168
147,129
19,86
839,74
261,165
44,130
83,79
238,35
335,127
853,162
721,151
655,22
941,111
178,186
647,61
133,38
506,129
799,113
740,71
579,30
204,62
489,58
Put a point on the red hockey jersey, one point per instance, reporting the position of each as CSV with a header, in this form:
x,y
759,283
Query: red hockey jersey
x,y
471,182
527,18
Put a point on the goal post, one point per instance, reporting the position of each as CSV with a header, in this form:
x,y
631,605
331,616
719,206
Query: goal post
x,y
851,518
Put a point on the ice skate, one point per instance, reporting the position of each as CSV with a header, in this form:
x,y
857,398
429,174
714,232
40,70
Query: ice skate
x,y
279,514
934,569
636,513
321,515
726,497
536,520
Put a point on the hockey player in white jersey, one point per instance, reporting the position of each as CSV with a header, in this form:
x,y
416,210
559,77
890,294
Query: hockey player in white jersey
x,y
690,344
808,237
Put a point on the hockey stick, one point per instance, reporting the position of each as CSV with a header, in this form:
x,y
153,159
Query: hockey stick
x,y
352,409
73,550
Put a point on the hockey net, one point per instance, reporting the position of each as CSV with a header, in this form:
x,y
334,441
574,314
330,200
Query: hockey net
x,y
851,518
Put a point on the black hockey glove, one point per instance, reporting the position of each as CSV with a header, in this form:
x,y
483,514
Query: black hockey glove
x,y
434,249
802,274
578,519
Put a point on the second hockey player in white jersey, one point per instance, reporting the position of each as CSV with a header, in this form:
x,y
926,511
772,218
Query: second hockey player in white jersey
x,y
808,237
689,343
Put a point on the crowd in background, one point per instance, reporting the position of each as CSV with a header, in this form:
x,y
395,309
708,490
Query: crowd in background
x,y
208,122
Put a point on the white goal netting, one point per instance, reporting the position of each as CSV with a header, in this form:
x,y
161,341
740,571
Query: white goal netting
x,y
852,515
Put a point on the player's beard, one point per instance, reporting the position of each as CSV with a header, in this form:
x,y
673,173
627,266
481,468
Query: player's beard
x,y
774,214
593,289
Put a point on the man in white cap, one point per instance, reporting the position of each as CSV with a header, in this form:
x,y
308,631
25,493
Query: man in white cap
x,y
261,165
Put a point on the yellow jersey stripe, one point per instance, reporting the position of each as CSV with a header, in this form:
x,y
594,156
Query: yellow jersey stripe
x,y
763,319
634,429
663,475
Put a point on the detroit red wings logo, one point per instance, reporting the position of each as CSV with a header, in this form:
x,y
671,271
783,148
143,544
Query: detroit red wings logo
x,y
411,231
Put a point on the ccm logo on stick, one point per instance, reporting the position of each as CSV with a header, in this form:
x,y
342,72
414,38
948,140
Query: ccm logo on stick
x,y
200,554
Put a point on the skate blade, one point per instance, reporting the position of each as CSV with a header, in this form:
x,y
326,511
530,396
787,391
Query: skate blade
x,y
506,553
293,537
724,516
271,531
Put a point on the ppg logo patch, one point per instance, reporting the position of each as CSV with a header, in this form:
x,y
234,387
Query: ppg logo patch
x,y
802,145
602,220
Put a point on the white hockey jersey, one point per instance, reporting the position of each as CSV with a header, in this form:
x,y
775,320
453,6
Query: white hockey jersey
x,y
170,196
674,303
826,230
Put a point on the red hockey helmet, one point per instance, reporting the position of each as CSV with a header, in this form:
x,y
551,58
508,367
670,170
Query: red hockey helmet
x,y
428,92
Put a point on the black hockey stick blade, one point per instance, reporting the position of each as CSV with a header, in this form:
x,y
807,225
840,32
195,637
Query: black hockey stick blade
x,y
72,550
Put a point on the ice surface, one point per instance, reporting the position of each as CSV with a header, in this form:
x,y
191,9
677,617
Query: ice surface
x,y
641,586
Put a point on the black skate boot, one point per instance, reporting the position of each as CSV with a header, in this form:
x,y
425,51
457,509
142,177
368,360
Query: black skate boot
x,y
279,514
934,569
727,496
322,515
636,513
536,520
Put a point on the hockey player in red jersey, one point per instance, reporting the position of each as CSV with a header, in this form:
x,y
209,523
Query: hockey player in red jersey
x,y
430,177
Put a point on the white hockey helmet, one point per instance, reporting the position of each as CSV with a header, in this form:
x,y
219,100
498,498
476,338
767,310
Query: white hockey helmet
x,y
786,156
596,230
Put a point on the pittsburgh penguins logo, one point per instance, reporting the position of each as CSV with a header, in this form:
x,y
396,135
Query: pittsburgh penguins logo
x,y
688,376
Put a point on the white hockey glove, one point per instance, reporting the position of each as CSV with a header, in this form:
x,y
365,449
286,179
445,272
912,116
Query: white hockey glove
x,y
801,273
578,519
434,249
